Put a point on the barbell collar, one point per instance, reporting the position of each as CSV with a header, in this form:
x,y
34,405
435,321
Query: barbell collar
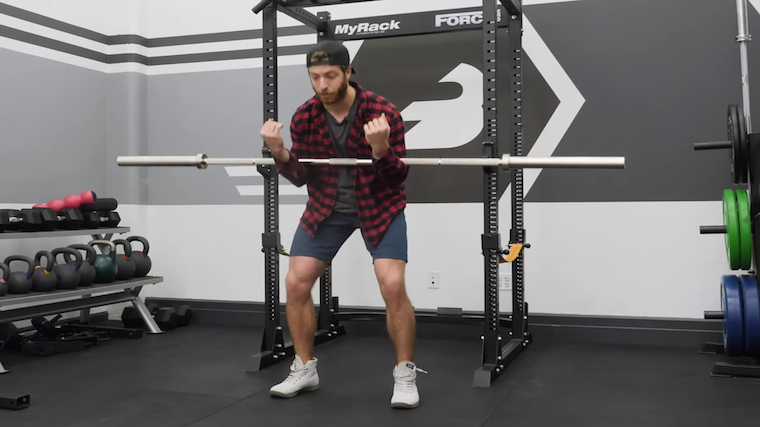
x,y
198,161
202,161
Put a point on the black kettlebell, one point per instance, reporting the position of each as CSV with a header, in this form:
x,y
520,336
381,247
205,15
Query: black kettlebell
x,y
4,279
142,261
87,270
105,264
44,279
20,282
126,267
68,273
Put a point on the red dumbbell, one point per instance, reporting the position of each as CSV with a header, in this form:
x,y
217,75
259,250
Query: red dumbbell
x,y
54,204
74,201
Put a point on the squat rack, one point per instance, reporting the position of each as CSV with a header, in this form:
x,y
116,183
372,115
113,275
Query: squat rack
x,y
497,353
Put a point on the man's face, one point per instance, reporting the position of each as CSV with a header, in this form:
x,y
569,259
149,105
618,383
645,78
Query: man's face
x,y
329,82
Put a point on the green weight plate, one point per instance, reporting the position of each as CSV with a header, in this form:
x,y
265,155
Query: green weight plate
x,y
731,222
745,229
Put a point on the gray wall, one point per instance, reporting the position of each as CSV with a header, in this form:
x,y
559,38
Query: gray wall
x,y
653,86
53,118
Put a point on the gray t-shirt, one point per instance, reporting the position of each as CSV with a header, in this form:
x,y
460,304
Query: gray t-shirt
x,y
346,201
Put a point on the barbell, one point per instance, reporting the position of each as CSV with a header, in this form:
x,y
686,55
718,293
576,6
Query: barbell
x,y
202,161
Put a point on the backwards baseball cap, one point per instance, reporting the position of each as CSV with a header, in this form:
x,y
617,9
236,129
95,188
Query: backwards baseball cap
x,y
328,52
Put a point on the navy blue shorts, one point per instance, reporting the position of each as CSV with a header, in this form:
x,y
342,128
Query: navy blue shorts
x,y
338,227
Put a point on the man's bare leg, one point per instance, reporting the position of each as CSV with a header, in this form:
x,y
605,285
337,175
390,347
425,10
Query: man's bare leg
x,y
401,327
302,320
399,310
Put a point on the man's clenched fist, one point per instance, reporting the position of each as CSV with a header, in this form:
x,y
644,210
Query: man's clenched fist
x,y
377,132
271,134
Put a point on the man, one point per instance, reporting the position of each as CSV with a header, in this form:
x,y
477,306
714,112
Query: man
x,y
343,119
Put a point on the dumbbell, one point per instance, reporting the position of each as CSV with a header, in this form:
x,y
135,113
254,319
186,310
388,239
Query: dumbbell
x,y
9,337
66,218
166,317
101,219
101,213
71,201
26,220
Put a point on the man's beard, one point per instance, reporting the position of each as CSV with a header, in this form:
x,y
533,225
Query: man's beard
x,y
340,96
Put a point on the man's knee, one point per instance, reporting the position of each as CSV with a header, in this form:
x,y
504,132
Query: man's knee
x,y
390,276
302,275
297,288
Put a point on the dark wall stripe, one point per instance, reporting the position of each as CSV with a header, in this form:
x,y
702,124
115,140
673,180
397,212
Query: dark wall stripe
x,y
120,58
120,39
127,39
224,37
55,24
58,45
223,56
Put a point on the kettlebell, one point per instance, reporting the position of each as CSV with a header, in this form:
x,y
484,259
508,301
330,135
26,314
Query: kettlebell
x,y
4,279
105,264
86,271
44,279
125,265
20,282
142,261
68,273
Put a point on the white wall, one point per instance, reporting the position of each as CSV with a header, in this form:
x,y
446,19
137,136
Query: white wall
x,y
616,259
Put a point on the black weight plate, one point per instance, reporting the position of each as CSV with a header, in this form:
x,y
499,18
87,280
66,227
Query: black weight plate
x,y
744,145
735,155
751,309
733,316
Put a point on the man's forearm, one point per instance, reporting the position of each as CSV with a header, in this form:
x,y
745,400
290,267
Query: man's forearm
x,y
380,151
282,155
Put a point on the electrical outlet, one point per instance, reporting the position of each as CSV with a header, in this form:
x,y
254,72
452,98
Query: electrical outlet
x,y
505,281
433,280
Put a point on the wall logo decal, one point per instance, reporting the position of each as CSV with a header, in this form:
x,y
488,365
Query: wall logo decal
x,y
366,28
463,18
448,123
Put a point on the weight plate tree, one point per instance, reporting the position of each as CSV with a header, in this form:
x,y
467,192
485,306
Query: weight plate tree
x,y
498,350
740,302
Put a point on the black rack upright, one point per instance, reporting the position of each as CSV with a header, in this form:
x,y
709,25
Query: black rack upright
x,y
497,352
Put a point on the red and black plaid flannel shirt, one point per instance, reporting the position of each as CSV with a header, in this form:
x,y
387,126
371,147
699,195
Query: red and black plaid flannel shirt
x,y
380,190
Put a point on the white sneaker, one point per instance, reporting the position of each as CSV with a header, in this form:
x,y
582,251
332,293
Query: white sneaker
x,y
302,378
405,394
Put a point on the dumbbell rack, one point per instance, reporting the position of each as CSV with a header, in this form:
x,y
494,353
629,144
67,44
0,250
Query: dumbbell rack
x,y
747,175
123,291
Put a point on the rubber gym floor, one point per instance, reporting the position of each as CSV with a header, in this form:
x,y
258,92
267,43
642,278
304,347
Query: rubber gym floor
x,y
194,377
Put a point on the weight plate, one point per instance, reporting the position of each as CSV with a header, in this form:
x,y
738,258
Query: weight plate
x,y
745,229
751,309
735,155
733,317
744,145
731,222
